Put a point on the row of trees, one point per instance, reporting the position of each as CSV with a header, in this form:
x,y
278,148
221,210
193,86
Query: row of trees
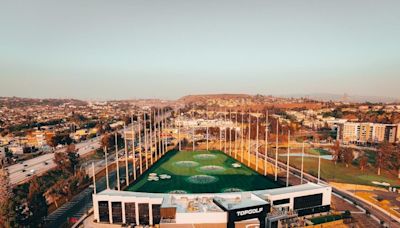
x,y
387,156
26,204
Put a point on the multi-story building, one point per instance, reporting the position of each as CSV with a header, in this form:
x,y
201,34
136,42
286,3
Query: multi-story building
x,y
352,132
348,132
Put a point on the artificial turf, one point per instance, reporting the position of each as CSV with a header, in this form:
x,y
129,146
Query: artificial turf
x,y
222,179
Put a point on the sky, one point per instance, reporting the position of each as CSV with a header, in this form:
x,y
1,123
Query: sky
x,y
95,49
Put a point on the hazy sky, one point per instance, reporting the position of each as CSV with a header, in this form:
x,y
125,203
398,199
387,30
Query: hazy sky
x,y
166,48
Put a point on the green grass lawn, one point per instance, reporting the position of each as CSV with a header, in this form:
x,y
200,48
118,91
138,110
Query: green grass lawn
x,y
182,166
339,172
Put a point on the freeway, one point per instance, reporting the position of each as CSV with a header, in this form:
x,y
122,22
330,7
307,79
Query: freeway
x,y
22,172
19,173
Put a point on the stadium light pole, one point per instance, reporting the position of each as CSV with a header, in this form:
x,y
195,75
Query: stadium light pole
x,y
276,150
126,157
155,135
230,133
236,133
94,179
166,126
179,131
257,131
140,146
266,144
241,139
220,138
160,149
133,150
319,168
249,152
288,160
225,132
302,164
193,138
107,178
207,128
150,137
145,139
117,161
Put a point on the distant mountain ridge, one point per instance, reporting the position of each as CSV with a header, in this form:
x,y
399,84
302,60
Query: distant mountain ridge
x,y
346,98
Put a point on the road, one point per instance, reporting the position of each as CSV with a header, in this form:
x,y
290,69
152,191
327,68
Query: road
x,y
22,172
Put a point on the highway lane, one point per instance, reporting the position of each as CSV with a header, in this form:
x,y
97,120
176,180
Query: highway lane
x,y
20,173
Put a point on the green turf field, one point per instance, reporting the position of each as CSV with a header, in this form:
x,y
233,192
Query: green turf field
x,y
200,172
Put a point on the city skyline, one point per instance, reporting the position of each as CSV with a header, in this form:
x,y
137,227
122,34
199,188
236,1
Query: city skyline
x,y
99,50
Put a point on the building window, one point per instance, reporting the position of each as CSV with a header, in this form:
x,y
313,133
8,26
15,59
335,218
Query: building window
x,y
280,202
116,212
130,213
104,215
156,213
144,213
308,201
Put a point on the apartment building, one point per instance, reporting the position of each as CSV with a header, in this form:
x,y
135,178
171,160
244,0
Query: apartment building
x,y
352,132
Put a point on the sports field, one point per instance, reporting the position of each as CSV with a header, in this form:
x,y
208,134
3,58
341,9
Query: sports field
x,y
200,172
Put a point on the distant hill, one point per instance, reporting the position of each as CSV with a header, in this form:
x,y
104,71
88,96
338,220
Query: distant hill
x,y
204,97
345,98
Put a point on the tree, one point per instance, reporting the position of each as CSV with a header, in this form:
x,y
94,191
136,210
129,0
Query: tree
x,y
63,139
7,205
363,162
395,159
52,142
68,160
108,141
36,203
348,156
382,154
61,160
337,152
